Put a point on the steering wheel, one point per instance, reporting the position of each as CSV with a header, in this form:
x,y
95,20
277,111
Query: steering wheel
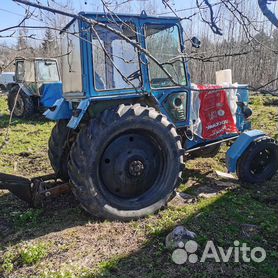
x,y
134,75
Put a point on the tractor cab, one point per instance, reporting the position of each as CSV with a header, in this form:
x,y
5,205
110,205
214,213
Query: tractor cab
x,y
37,85
130,56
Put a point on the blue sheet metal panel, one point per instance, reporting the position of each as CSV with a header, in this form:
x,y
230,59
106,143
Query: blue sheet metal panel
x,y
63,110
239,147
103,17
143,58
84,104
82,107
243,93
162,94
50,92
84,41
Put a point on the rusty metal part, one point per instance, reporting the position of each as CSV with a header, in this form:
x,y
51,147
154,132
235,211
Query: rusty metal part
x,y
21,187
35,190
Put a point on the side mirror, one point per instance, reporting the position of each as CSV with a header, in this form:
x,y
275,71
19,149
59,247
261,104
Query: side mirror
x,y
195,42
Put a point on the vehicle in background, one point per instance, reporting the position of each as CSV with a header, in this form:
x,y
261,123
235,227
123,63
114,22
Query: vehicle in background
x,y
6,81
37,85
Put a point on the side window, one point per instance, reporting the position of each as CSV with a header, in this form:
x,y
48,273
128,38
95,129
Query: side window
x,y
47,71
116,62
20,71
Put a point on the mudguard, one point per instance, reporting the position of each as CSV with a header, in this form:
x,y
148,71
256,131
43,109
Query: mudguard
x,y
239,147
50,92
61,110
79,113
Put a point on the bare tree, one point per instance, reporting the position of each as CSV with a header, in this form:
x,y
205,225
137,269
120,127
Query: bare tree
x,y
233,33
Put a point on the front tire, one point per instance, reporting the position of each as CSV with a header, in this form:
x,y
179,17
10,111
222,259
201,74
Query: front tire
x,y
20,104
126,163
259,162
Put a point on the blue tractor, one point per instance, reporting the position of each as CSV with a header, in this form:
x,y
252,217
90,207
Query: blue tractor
x,y
36,86
126,122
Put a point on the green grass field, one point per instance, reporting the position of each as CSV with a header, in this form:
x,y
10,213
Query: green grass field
x,y
61,240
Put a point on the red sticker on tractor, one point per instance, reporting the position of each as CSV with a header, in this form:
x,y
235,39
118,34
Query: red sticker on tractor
x,y
215,112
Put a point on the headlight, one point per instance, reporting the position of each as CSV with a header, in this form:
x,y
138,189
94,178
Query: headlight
x,y
177,102
176,106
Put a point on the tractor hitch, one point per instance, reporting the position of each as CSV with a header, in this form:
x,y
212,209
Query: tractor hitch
x,y
35,190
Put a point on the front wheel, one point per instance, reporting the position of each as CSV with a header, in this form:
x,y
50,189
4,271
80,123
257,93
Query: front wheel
x,y
126,163
259,162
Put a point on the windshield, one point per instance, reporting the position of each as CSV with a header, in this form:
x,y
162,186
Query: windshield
x,y
47,71
163,42
116,62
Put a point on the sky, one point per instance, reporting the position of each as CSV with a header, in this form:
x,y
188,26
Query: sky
x,y
11,13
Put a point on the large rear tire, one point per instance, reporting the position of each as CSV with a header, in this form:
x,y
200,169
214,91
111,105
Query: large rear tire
x,y
126,163
20,104
59,145
259,162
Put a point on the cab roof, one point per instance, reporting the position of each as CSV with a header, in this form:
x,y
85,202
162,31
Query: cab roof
x,y
143,16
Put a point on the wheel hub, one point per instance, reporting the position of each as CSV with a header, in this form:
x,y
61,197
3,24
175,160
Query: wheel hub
x,y
130,165
261,162
136,168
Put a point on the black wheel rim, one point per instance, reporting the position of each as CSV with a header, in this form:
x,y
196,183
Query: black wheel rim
x,y
130,164
262,161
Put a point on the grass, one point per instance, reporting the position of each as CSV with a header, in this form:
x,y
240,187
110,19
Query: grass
x,y
24,255
27,142
62,241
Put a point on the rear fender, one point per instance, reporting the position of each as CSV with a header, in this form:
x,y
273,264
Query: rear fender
x,y
61,110
240,146
78,113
